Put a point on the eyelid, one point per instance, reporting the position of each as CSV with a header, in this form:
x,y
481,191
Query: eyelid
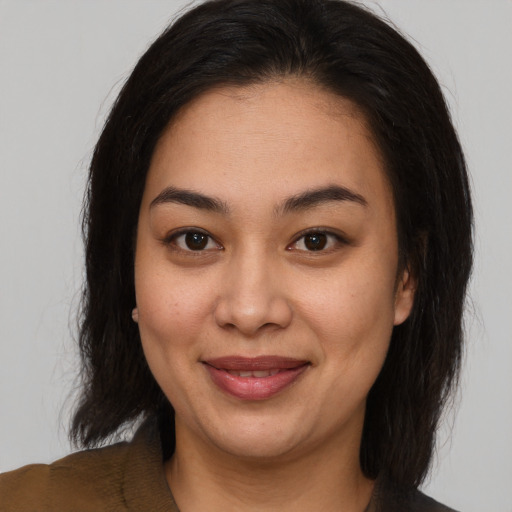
x,y
341,239
173,235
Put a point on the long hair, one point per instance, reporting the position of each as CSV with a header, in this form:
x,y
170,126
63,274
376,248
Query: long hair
x,y
345,49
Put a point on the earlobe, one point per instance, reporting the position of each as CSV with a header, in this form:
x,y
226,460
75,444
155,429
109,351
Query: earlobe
x,y
135,315
404,297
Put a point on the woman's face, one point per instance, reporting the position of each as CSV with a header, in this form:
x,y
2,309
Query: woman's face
x,y
266,269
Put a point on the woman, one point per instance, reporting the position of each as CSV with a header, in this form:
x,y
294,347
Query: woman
x,y
278,242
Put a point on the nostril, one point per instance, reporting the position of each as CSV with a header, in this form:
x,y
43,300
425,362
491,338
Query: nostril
x,y
251,313
267,327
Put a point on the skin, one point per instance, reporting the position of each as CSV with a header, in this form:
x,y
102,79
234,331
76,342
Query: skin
x,y
256,289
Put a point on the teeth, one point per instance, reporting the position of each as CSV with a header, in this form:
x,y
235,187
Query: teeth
x,y
256,373
261,373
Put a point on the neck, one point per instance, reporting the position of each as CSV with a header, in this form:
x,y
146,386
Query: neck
x,y
327,477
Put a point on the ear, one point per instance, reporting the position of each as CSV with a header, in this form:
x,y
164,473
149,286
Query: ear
x,y
404,296
135,315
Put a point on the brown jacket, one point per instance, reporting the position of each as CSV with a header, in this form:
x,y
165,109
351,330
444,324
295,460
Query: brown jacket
x,y
130,477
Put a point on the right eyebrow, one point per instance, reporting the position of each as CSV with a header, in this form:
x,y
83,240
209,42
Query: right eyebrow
x,y
190,198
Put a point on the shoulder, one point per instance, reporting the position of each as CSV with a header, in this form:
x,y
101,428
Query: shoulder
x,y
122,477
422,503
88,480
391,498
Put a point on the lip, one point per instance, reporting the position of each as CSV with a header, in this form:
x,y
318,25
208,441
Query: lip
x,y
282,373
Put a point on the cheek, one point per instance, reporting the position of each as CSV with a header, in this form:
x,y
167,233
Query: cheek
x,y
172,317
173,308
170,312
351,314
351,307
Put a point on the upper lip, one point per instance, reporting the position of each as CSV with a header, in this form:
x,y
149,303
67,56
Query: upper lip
x,y
254,363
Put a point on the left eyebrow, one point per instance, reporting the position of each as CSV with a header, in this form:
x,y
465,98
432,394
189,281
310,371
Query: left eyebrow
x,y
316,197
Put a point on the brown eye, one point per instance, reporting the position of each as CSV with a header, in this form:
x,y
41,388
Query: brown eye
x,y
196,241
192,241
318,241
315,241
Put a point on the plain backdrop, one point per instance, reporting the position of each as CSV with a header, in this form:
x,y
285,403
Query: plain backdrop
x,y
61,64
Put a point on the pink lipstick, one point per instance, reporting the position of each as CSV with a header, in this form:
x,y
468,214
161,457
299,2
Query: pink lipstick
x,y
254,378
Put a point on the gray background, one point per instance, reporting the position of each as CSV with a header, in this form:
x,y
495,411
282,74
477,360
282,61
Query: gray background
x,y
61,64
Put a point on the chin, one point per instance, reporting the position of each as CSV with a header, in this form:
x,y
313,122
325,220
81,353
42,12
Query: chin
x,y
258,438
258,446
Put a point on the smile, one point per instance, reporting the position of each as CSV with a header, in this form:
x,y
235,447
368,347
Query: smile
x,y
257,378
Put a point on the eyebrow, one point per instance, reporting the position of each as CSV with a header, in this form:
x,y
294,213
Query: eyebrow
x,y
296,203
316,197
190,198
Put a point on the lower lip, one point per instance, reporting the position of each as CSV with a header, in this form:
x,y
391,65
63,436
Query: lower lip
x,y
255,388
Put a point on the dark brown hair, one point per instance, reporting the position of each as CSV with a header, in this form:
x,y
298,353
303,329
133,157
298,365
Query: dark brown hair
x,y
349,51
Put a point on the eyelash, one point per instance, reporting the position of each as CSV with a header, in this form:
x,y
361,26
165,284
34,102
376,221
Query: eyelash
x,y
170,240
329,240
335,240
332,240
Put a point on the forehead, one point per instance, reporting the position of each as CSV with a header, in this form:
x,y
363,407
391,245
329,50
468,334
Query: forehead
x,y
278,138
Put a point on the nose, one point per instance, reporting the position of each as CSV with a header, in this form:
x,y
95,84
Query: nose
x,y
252,297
